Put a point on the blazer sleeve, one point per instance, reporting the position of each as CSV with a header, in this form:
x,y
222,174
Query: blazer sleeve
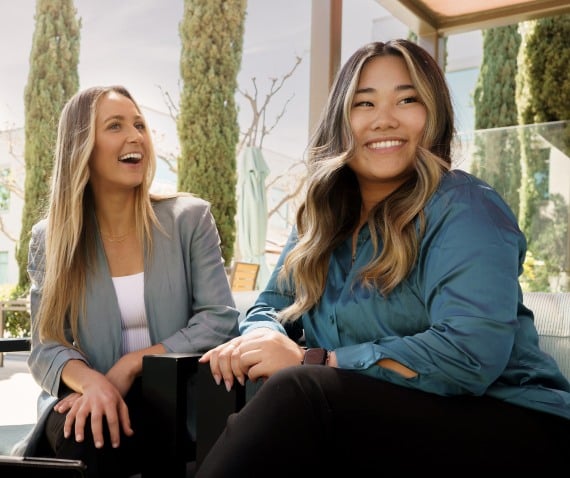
x,y
194,273
46,359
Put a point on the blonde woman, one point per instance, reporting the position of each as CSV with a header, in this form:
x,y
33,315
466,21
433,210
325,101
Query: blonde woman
x,y
403,276
117,273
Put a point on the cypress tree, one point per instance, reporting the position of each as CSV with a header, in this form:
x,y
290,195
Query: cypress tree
x,y
498,154
543,95
211,35
494,95
53,78
546,57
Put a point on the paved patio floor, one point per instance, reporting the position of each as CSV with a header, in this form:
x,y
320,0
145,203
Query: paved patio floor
x,y
18,391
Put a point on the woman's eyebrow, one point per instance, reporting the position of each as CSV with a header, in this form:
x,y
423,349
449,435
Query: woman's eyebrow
x,y
121,118
403,87
114,117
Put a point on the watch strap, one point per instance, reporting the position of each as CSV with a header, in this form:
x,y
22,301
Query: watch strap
x,y
315,356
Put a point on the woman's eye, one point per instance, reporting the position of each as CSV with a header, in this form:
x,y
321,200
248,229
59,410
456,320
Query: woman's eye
x,y
140,126
115,125
410,99
362,103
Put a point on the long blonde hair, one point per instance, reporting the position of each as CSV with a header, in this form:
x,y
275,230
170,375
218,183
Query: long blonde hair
x,y
331,209
70,236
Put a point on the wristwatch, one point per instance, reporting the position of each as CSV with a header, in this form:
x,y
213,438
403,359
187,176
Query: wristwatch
x,y
317,356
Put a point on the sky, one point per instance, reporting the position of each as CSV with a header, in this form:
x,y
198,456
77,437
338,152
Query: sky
x,y
136,43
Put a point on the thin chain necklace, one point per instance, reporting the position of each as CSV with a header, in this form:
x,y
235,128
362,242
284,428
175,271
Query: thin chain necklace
x,y
118,238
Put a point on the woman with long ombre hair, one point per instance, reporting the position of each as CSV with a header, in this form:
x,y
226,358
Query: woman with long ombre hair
x,y
116,273
402,276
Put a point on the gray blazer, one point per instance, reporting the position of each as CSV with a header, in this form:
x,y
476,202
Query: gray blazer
x,y
189,304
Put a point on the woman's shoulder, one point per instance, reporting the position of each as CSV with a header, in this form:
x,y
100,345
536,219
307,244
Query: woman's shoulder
x,y
457,184
457,178
181,209
461,191
39,227
179,203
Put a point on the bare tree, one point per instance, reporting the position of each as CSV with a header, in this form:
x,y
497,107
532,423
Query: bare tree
x,y
291,182
258,127
14,182
12,178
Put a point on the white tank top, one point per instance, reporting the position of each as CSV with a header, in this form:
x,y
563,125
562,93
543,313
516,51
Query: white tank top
x,y
130,295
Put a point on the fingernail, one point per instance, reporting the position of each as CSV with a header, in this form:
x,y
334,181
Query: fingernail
x,y
218,379
115,445
241,380
98,444
78,437
228,385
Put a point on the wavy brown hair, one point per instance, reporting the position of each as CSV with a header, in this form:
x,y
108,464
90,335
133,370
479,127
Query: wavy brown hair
x,y
330,211
71,231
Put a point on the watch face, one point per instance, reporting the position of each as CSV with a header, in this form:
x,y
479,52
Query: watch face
x,y
315,357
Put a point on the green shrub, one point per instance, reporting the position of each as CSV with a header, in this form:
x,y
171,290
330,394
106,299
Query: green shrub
x,y
16,323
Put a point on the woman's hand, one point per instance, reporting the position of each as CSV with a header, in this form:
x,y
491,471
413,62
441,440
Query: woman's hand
x,y
99,401
257,354
95,398
65,404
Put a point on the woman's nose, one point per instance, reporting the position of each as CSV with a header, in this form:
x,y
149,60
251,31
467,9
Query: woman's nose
x,y
135,135
384,119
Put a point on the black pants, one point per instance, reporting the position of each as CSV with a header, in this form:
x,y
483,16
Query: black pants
x,y
106,462
320,421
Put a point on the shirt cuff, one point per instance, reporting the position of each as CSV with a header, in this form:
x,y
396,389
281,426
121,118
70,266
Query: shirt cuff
x,y
357,357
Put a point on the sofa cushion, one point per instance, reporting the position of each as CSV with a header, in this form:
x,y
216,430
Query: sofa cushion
x,y
552,321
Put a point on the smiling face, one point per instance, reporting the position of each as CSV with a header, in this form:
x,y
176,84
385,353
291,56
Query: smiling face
x,y
387,121
118,159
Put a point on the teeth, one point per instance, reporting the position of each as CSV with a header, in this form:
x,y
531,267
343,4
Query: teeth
x,y
131,156
385,144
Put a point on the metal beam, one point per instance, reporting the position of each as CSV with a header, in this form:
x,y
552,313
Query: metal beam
x,y
326,36
434,44
421,19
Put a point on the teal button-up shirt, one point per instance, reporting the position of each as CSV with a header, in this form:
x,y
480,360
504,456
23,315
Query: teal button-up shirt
x,y
458,320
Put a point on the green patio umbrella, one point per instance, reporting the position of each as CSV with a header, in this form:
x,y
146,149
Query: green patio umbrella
x,y
252,210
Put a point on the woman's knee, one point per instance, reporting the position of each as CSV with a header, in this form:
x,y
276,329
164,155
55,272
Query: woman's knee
x,y
306,379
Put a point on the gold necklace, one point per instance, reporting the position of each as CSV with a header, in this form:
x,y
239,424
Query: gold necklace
x,y
119,238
